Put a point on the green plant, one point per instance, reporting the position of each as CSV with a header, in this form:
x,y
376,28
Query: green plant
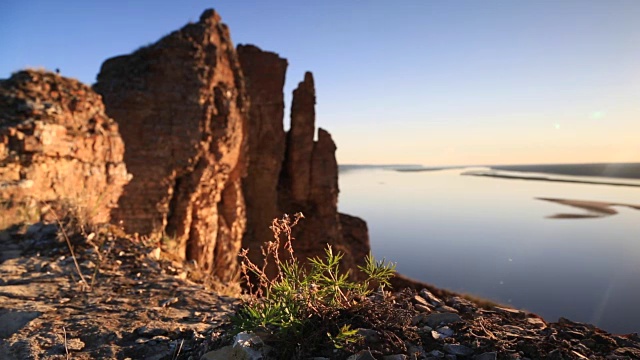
x,y
345,336
303,307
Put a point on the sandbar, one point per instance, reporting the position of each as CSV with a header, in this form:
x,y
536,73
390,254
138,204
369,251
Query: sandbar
x,y
595,208
551,179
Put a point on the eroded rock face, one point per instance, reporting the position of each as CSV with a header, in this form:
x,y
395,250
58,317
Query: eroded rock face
x,y
356,235
301,177
264,74
299,151
57,146
321,226
182,108
323,183
309,183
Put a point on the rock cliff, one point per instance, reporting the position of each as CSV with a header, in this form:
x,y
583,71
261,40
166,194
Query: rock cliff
x,y
202,125
297,167
57,148
182,108
293,173
264,74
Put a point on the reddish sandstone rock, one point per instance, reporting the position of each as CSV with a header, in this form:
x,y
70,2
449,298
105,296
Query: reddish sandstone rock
x,y
297,165
303,177
323,184
309,184
356,235
264,74
321,226
182,108
57,146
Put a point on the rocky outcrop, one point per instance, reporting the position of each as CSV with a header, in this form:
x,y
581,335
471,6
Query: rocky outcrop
x,y
264,74
356,234
300,144
182,108
323,183
309,183
57,147
301,176
197,149
321,227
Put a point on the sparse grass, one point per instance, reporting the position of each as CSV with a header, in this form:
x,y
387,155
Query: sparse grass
x,y
63,234
74,219
20,214
76,225
306,308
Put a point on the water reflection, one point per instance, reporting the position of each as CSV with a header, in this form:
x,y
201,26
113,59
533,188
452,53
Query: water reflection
x,y
491,237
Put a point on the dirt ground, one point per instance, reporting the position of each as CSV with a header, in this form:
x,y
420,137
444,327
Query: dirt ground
x,y
132,303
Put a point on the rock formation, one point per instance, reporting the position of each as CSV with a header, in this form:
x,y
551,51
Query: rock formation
x,y
264,74
321,225
182,109
197,144
310,185
356,234
301,176
57,147
300,140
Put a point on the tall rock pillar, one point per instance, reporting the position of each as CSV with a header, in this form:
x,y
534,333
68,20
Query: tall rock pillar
x,y
300,140
296,175
309,180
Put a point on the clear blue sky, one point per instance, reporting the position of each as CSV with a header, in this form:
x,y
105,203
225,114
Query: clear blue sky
x,y
430,82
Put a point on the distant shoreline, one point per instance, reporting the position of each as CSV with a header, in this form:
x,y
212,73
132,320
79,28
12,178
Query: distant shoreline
x,y
626,170
611,170
542,178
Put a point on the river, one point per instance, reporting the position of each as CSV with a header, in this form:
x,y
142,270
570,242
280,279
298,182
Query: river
x,y
499,239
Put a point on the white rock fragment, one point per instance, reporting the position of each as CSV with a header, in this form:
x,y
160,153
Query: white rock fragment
x,y
246,346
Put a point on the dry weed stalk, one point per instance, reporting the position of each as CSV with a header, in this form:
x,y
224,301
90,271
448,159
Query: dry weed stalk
x,y
73,255
78,219
270,250
66,348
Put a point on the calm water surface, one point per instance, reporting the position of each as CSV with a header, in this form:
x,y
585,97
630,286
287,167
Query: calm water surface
x,y
492,238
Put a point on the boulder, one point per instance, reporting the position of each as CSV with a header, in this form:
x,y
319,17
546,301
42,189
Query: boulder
x,y
58,148
182,108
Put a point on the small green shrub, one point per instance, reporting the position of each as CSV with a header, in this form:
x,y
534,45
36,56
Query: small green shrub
x,y
304,307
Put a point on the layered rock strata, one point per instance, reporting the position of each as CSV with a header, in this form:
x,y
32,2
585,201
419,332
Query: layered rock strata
x,y
57,147
182,108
